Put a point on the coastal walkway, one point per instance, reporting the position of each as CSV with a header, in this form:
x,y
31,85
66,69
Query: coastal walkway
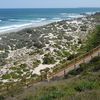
x,y
75,63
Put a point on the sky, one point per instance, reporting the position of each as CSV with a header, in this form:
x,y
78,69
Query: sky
x,y
48,3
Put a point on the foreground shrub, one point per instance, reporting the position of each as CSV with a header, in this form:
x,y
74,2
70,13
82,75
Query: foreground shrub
x,y
2,97
95,59
86,85
52,95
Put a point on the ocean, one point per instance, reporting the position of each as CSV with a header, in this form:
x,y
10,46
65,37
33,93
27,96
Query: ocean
x,y
17,18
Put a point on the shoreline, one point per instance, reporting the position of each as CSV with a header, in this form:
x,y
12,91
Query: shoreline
x,y
41,21
22,27
34,25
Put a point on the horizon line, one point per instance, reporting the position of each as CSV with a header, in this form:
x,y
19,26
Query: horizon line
x,y
46,7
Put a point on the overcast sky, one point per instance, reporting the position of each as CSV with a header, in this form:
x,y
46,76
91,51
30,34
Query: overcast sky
x,y
48,3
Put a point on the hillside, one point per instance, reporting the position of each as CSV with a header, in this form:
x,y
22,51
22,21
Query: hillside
x,y
27,52
80,84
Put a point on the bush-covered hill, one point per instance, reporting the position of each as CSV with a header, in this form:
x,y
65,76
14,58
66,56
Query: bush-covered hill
x,y
40,48
80,84
83,85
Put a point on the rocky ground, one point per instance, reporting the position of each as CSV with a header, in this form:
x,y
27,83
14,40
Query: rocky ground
x,y
29,51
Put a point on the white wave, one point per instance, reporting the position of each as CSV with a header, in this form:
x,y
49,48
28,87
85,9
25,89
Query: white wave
x,y
38,20
11,19
0,20
71,15
19,20
63,14
90,13
75,16
56,18
42,19
29,20
12,27
31,23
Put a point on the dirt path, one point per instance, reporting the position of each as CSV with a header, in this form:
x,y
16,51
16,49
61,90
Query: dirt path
x,y
85,59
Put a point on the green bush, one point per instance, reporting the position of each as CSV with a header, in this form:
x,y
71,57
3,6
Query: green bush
x,y
95,59
48,59
86,85
23,65
2,97
94,39
14,75
52,95
96,67
79,70
29,98
6,76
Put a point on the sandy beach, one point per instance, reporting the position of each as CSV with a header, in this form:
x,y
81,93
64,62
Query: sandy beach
x,y
24,26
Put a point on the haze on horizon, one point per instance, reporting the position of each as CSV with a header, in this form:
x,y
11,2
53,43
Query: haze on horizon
x,y
48,3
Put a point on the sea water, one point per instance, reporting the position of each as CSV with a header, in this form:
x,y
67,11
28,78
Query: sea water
x,y
16,18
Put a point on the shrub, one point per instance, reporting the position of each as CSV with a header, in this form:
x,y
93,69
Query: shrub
x,y
6,76
23,65
36,63
52,95
78,70
94,39
29,31
29,98
86,85
48,59
2,97
96,67
73,72
95,59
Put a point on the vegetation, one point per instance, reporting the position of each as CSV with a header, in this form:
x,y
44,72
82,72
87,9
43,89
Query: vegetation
x,y
93,39
79,84
86,86
93,66
36,63
48,59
